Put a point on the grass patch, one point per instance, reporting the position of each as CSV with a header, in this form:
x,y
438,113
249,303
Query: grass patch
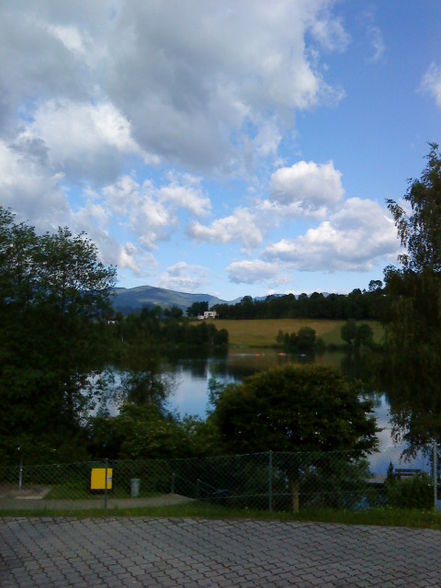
x,y
381,517
81,491
263,332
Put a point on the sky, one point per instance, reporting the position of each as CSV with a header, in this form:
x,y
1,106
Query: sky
x,y
235,148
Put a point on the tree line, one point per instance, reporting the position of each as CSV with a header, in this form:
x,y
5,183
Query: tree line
x,y
359,304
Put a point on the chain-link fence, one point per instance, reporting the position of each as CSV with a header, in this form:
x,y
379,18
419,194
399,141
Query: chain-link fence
x,y
272,480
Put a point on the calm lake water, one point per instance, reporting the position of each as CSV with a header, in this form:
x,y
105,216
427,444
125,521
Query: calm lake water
x,y
190,377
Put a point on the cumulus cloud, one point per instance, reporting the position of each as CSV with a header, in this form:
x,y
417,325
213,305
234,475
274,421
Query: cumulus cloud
x,y
192,78
330,33
307,187
431,82
187,195
29,188
87,141
240,226
150,211
38,197
255,271
184,277
353,239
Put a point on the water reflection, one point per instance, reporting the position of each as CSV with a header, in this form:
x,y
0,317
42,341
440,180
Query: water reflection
x,y
191,378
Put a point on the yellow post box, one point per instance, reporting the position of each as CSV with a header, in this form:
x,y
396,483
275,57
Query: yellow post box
x,y
98,479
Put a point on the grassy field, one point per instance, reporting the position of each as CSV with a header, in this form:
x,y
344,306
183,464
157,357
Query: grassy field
x,y
263,332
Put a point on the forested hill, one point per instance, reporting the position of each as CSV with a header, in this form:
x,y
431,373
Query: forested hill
x,y
359,304
128,300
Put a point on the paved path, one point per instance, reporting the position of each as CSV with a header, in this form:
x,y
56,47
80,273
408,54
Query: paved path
x,y
157,553
92,503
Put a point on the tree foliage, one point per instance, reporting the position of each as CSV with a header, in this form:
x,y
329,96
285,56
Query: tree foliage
x,y
54,304
197,308
356,335
294,408
420,229
413,330
358,305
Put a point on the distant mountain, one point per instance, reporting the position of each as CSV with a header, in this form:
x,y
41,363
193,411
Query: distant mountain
x,y
131,299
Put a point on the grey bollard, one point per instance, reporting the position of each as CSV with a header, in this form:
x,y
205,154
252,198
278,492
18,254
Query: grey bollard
x,y
134,487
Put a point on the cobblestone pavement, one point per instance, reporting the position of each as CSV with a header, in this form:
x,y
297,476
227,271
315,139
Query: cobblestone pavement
x,y
158,552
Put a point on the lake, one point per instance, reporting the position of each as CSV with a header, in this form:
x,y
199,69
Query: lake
x,y
190,377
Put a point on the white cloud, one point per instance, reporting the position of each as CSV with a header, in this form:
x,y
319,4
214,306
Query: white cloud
x,y
29,188
190,77
37,197
138,207
378,45
307,187
184,277
240,226
431,82
255,271
360,234
188,196
330,33
87,141
70,36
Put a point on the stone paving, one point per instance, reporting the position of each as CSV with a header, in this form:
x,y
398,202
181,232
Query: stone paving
x,y
156,553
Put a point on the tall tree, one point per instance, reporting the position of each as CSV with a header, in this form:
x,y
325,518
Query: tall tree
x,y
54,303
413,330
292,409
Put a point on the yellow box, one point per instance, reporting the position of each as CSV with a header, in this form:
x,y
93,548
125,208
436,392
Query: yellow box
x,y
98,478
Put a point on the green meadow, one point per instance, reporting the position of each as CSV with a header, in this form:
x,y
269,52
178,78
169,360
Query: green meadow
x,y
263,332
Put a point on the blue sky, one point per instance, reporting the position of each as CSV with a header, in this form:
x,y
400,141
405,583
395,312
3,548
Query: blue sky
x,y
234,148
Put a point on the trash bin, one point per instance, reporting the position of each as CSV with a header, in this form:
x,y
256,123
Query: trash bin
x,y
134,487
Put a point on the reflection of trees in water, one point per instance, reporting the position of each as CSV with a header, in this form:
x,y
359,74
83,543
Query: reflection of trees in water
x,y
415,405
412,366
411,385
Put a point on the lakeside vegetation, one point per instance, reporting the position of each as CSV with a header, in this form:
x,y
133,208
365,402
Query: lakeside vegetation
x,y
59,333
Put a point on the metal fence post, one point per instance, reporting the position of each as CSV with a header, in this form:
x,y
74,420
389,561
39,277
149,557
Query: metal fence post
x,y
435,475
106,461
270,481
20,470
172,485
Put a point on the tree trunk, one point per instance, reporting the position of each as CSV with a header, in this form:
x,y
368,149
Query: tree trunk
x,y
295,495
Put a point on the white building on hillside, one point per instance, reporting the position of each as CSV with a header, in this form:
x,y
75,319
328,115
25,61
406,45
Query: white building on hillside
x,y
207,315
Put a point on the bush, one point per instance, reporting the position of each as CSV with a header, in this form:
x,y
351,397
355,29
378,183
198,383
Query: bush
x,y
414,492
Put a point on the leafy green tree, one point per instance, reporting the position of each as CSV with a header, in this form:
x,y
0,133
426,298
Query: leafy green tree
x,y
420,231
295,408
138,432
54,307
413,329
356,335
309,408
173,313
197,308
306,340
349,332
302,342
